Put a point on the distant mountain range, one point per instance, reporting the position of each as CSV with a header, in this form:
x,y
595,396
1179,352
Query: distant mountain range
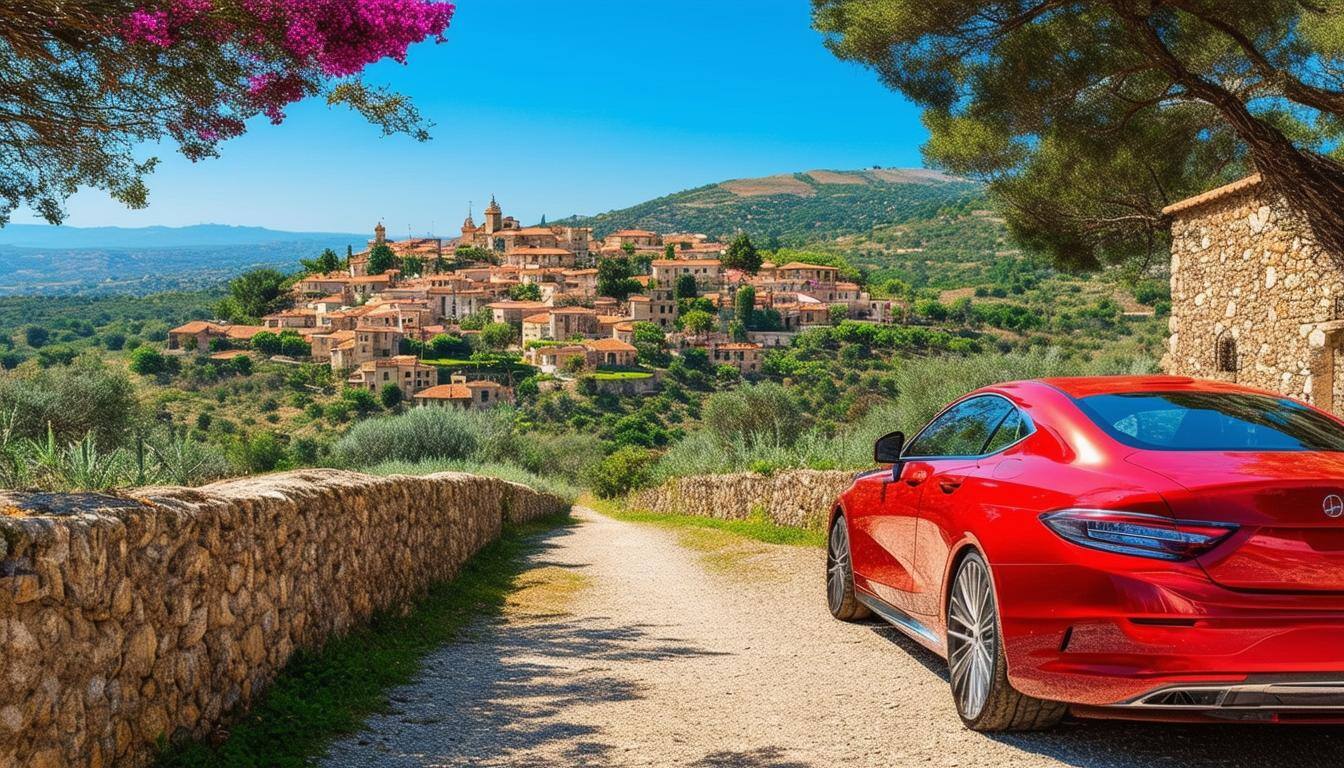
x,y
46,260
795,208
199,235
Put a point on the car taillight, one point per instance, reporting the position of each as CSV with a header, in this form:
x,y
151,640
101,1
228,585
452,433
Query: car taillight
x,y
1134,533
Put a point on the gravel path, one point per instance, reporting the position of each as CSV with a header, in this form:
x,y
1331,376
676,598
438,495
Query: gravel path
x,y
638,646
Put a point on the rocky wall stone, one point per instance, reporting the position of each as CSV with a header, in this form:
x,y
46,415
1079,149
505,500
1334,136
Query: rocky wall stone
x,y
1246,268
161,612
802,498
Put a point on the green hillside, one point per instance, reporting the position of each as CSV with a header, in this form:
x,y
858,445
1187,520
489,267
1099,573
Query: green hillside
x,y
796,208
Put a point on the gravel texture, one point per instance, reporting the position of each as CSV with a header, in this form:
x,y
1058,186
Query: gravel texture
x,y
659,648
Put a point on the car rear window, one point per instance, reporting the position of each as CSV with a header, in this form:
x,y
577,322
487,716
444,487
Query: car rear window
x,y
1212,421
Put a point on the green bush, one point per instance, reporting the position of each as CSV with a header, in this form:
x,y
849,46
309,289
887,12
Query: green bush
x,y
148,361
73,401
621,472
261,452
425,433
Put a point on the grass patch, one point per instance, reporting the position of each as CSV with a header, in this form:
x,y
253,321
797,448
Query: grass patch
x,y
621,375
321,695
756,527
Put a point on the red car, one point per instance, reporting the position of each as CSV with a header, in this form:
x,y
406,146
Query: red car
x,y
1137,547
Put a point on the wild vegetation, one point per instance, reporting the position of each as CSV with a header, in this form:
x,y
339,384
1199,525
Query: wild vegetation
x,y
792,209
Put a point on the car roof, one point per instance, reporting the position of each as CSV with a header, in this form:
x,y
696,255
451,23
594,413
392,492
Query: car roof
x,y
1086,386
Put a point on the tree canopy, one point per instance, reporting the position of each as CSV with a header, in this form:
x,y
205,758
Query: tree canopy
x,y
82,84
381,259
741,254
253,294
1087,117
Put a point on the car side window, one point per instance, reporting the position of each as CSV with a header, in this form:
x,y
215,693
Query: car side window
x,y
962,430
1014,427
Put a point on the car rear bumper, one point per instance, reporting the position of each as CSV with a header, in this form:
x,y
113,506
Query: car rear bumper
x,y
1132,642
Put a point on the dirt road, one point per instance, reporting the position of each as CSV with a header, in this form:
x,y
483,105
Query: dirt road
x,y
632,645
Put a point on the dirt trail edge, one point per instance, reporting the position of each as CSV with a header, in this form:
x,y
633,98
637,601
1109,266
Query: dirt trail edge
x,y
632,645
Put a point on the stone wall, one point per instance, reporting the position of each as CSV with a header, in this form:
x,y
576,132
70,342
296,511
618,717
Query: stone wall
x,y
158,613
1244,266
802,498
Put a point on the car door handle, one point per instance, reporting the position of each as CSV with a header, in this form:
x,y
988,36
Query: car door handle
x,y
949,484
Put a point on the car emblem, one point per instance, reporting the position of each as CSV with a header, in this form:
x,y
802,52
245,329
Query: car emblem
x,y
1333,506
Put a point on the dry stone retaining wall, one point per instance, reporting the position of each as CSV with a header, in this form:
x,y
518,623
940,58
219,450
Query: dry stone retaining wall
x,y
802,498
127,619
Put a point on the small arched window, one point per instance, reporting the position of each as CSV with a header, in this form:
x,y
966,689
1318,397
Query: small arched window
x,y
1226,353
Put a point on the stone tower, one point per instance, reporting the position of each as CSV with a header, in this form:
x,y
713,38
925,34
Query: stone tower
x,y
379,234
468,229
494,218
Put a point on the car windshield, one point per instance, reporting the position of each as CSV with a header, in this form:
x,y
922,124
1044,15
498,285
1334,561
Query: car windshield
x,y
1212,421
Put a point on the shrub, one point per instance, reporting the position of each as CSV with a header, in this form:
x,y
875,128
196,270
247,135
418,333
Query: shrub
x,y
266,342
621,472
36,336
73,400
360,400
425,433
760,413
148,361
261,452
390,395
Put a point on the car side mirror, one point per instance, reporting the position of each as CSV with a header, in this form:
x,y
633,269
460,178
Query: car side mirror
x,y
887,449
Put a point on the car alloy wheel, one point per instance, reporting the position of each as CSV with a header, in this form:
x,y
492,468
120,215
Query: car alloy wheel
x,y
986,700
972,637
840,576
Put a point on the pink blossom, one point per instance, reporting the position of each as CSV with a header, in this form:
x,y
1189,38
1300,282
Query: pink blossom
x,y
316,39
271,92
148,27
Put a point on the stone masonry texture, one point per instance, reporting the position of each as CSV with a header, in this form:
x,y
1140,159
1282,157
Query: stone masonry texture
x,y
1246,272
802,498
161,612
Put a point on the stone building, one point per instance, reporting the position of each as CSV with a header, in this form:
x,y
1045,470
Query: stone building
x,y
1254,299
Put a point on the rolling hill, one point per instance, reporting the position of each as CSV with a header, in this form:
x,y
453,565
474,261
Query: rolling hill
x,y
795,208
195,236
47,260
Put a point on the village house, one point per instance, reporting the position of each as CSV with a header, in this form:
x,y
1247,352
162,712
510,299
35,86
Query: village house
x,y
744,356
1254,298
560,323
405,371
513,312
610,353
332,284
708,273
199,333
467,395
658,307
639,239
300,317
324,343
453,303
371,342
555,358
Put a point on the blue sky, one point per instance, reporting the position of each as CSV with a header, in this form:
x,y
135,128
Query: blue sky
x,y
556,108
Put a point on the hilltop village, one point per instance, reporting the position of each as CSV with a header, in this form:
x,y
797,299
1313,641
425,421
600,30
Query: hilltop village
x,y
405,312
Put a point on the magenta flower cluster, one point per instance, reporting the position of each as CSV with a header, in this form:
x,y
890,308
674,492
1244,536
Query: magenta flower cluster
x,y
343,36
315,39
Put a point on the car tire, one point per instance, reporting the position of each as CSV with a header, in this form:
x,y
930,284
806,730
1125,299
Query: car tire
x,y
978,672
840,576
